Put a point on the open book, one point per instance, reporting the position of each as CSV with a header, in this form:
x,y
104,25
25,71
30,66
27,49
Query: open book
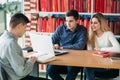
x,y
42,58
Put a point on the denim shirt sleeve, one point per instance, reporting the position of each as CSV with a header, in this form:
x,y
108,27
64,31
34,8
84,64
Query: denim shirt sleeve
x,y
56,36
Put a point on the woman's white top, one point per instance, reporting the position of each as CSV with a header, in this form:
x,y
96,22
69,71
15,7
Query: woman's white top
x,y
107,42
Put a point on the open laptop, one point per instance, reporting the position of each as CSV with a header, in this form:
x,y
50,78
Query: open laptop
x,y
42,43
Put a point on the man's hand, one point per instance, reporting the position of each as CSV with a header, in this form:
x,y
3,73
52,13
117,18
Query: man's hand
x,y
33,59
56,46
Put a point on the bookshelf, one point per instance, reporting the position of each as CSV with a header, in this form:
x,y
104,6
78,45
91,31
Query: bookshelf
x,y
46,18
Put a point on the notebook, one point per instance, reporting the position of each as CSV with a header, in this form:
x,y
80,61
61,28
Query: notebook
x,y
115,57
42,45
103,54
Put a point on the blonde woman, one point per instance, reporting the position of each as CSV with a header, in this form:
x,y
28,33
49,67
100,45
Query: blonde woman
x,y
100,38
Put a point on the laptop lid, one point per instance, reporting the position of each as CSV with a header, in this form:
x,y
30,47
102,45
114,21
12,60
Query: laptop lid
x,y
42,43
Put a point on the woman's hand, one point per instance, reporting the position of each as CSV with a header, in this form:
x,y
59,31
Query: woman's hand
x,y
96,48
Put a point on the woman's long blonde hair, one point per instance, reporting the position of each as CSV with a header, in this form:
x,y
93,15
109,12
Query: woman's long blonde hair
x,y
103,26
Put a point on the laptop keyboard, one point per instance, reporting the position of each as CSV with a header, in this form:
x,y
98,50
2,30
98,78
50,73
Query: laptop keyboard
x,y
60,52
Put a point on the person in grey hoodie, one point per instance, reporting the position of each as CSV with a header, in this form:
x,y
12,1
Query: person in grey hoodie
x,y
11,56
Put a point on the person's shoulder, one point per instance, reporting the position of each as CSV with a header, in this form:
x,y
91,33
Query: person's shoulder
x,y
82,27
109,33
60,28
63,26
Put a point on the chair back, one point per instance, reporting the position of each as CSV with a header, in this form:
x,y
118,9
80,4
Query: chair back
x,y
118,38
3,74
110,73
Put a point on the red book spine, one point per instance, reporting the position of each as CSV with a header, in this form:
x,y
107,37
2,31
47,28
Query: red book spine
x,y
118,6
101,5
86,23
81,22
105,2
111,25
61,21
54,5
71,4
63,6
111,5
117,28
47,25
75,4
84,6
43,5
114,6
66,5
115,25
59,5
50,23
88,5
57,23
39,25
108,6
48,4
80,5
44,25
97,5
54,24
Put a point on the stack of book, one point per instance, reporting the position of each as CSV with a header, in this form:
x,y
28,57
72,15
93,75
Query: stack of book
x,y
103,54
115,57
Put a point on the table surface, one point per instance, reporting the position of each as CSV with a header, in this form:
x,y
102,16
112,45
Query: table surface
x,y
83,58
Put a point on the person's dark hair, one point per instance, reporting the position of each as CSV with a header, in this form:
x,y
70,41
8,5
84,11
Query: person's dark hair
x,y
17,19
73,13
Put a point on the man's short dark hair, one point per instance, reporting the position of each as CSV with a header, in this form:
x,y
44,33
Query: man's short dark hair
x,y
17,19
73,13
